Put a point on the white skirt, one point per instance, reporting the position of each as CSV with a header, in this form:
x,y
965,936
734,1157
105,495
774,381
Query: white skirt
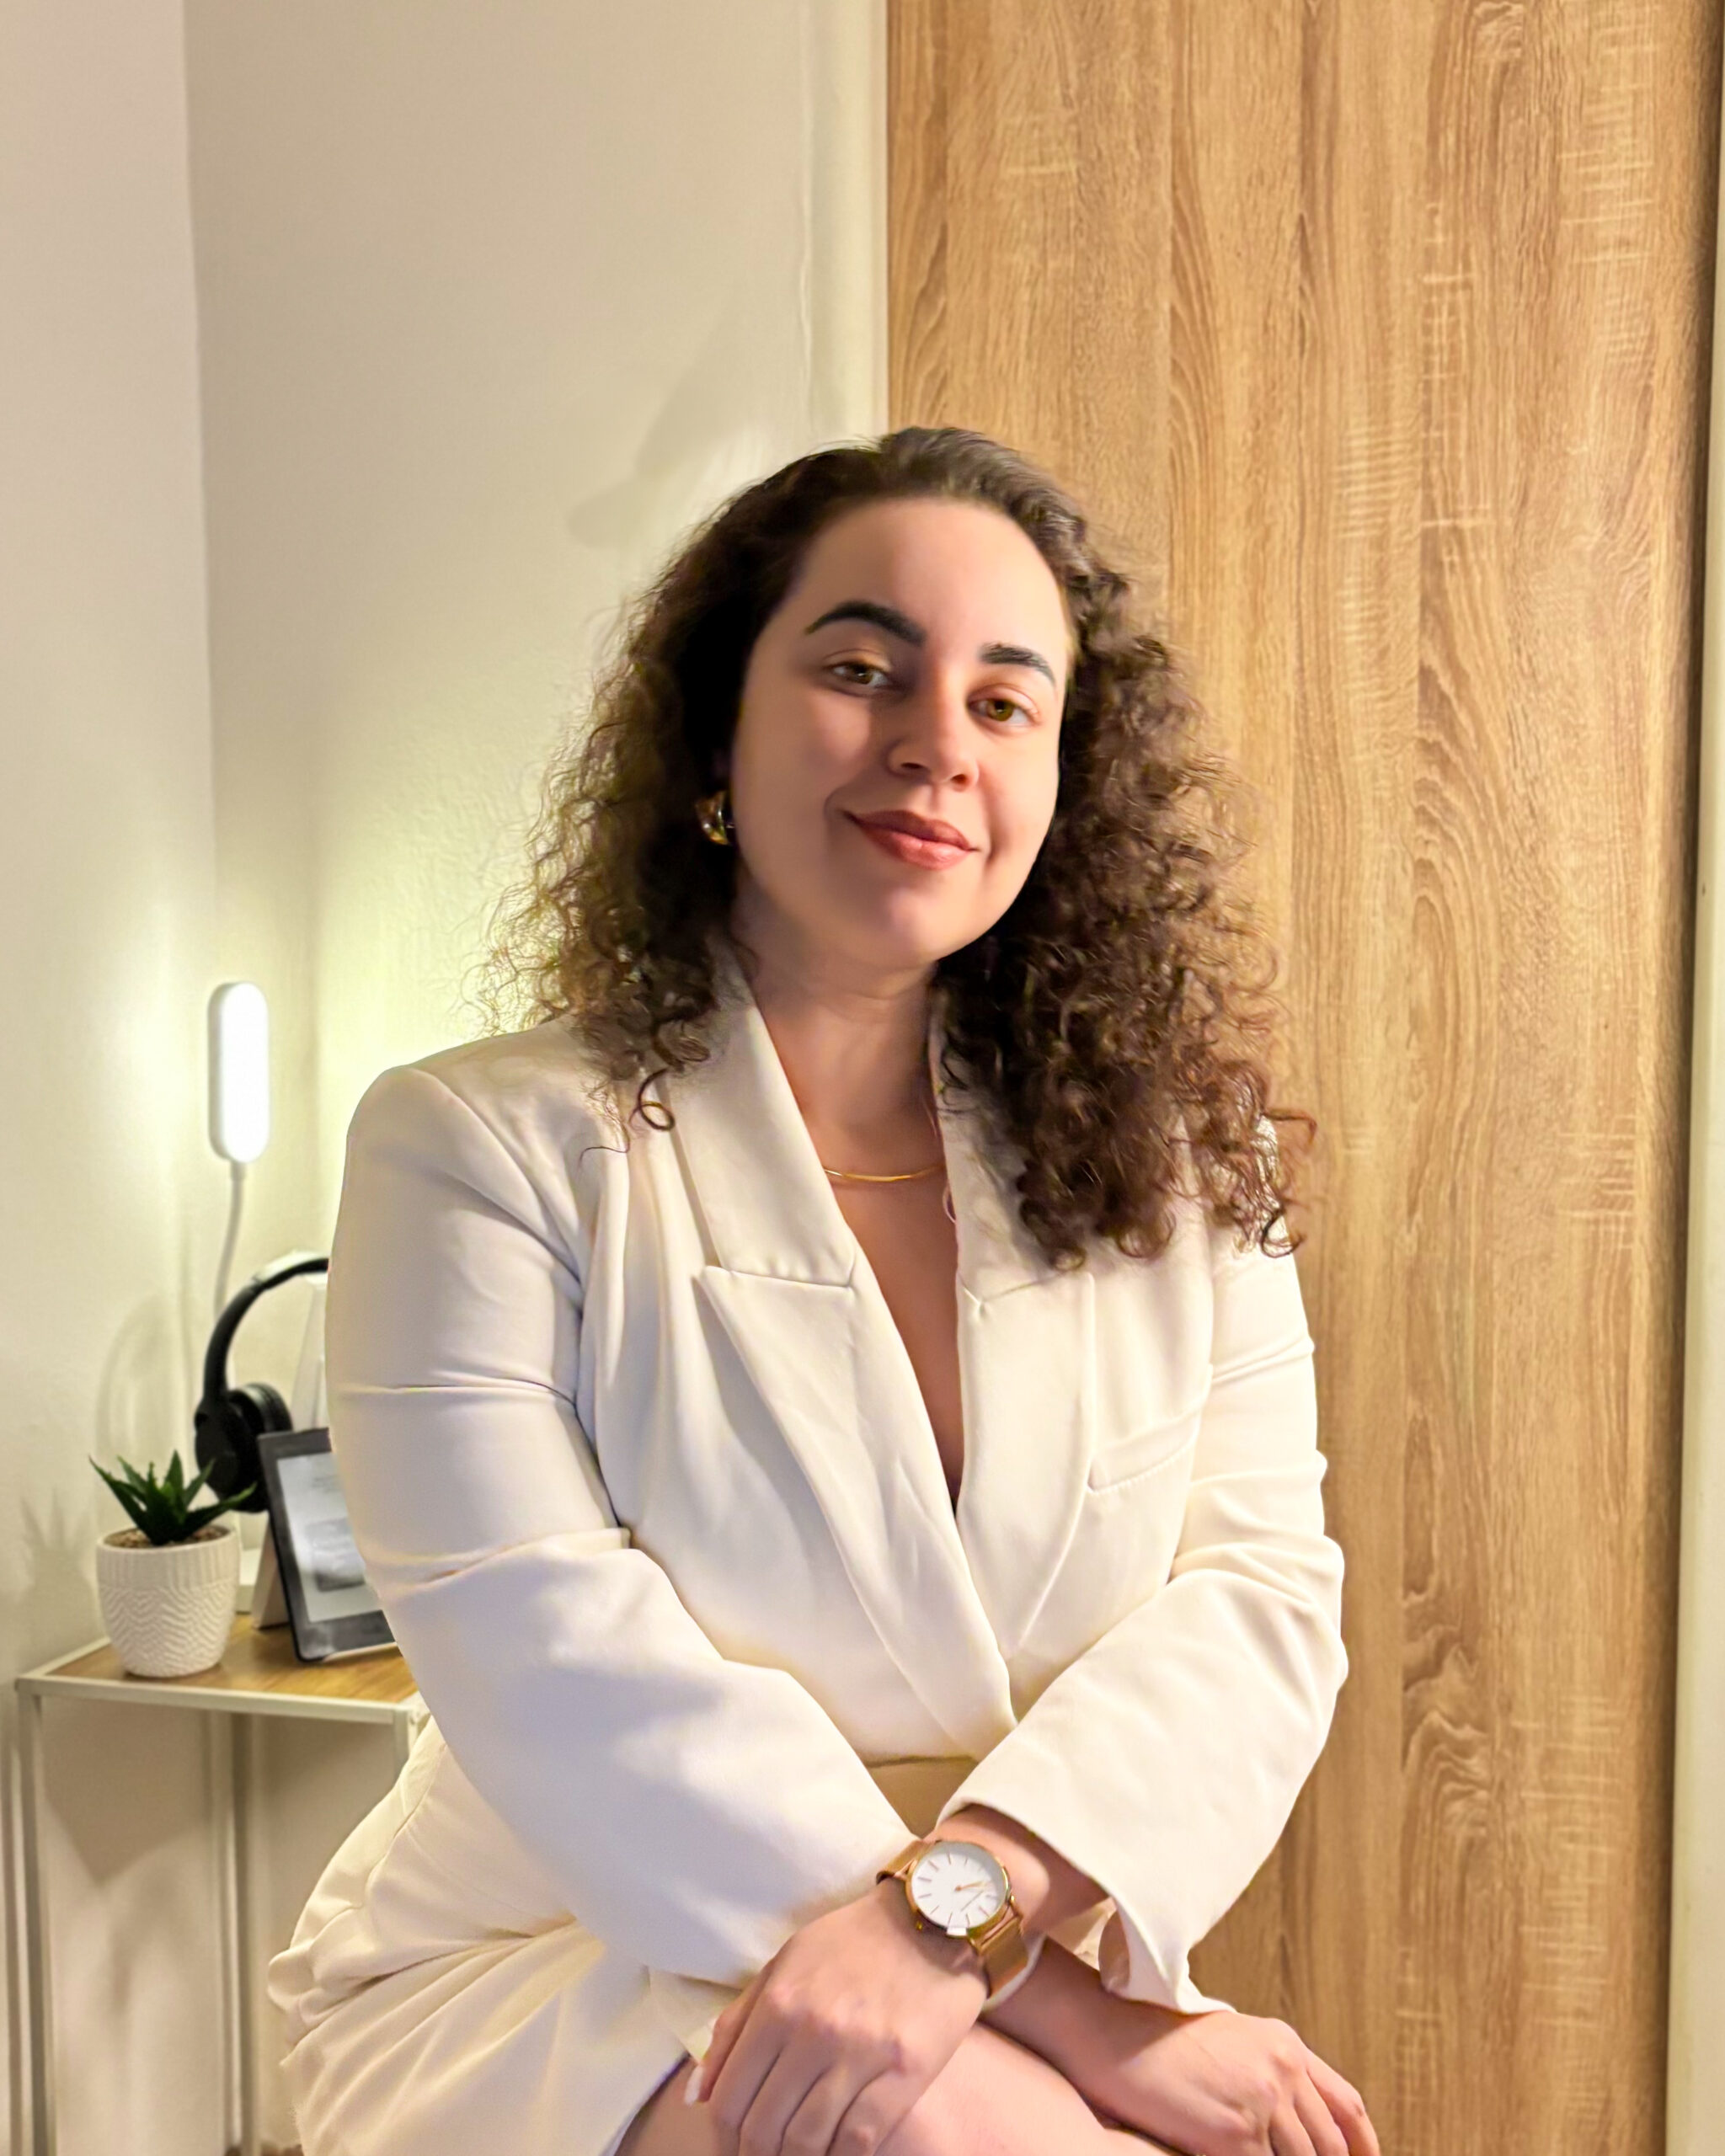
x,y
434,2006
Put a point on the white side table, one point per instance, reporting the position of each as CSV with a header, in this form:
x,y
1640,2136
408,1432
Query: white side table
x,y
258,1675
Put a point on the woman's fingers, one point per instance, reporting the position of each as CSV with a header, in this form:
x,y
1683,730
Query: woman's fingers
x,y
769,2085
789,2090
1326,2136
1288,2136
833,2101
1346,2107
726,2030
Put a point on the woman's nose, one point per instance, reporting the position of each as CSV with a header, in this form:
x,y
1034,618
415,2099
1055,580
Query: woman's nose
x,y
933,739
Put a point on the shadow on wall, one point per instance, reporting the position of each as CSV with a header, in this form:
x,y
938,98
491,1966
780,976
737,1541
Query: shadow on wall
x,y
48,1606
136,1416
692,451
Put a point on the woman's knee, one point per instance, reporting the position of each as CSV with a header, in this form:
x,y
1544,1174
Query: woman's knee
x,y
992,2098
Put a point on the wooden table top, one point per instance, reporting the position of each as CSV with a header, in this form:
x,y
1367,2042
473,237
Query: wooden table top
x,y
258,1662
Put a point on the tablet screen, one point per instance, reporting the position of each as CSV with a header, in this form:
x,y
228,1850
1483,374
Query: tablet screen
x,y
330,1599
331,1571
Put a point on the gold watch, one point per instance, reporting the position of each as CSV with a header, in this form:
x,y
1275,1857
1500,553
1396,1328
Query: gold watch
x,y
962,1889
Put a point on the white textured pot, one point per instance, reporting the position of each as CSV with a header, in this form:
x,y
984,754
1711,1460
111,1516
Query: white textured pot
x,y
168,1608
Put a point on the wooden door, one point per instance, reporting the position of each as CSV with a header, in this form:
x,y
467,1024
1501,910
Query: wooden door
x,y
1377,336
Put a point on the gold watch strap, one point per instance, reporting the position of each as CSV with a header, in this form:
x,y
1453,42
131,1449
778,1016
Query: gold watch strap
x,y
1000,1942
900,1868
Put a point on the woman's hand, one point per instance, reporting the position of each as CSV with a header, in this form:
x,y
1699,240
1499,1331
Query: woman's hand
x,y
1229,2084
842,2030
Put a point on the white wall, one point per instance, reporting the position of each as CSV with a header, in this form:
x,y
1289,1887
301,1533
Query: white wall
x,y
492,301
110,1201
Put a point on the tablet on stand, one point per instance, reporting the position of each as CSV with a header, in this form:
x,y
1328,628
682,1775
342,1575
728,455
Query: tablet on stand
x,y
312,1561
268,1599
309,1405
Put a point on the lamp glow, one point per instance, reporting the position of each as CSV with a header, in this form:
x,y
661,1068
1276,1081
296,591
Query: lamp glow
x,y
239,1071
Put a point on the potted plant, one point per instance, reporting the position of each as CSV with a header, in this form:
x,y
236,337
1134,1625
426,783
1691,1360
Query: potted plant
x,y
167,1584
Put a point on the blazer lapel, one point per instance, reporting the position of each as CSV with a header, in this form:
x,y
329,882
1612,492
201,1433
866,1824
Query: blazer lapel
x,y
1027,1360
795,1295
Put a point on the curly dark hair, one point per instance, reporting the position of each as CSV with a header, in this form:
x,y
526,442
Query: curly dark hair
x,y
1110,1021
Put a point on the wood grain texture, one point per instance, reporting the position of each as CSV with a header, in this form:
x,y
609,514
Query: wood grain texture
x,y
1376,340
266,1661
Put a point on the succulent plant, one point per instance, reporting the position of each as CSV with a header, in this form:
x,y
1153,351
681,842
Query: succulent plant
x,y
161,1506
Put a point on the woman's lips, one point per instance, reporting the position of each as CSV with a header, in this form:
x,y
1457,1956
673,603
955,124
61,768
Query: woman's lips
x,y
915,838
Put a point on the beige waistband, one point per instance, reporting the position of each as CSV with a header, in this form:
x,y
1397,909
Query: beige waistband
x,y
917,1788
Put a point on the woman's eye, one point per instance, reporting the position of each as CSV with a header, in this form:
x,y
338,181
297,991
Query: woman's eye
x,y
1005,710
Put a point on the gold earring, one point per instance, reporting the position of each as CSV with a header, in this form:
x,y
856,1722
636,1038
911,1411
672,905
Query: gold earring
x,y
714,817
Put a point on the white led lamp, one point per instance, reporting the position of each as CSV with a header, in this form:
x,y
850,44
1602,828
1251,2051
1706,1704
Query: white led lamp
x,y
239,1071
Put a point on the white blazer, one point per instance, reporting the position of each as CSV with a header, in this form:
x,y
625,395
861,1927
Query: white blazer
x,y
642,1476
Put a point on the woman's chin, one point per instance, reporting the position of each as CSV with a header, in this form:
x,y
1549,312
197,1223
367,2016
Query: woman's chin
x,y
894,946
891,935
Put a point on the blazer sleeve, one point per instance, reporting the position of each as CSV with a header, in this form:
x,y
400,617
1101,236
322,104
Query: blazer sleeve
x,y
693,1811
1165,1760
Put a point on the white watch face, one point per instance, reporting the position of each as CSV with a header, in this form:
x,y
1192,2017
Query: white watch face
x,y
958,1885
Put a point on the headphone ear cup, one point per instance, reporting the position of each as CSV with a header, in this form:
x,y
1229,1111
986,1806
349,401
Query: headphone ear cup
x,y
226,1430
212,1442
269,1408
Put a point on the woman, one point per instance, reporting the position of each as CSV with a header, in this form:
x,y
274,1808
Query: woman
x,y
823,1390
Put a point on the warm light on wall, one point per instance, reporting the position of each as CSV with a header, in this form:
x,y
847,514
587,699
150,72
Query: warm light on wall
x,y
239,1071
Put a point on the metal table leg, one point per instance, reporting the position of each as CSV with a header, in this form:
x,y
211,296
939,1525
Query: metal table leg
x,y
35,1919
245,1933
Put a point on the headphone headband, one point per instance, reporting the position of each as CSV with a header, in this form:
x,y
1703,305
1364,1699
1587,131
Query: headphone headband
x,y
266,1277
229,1419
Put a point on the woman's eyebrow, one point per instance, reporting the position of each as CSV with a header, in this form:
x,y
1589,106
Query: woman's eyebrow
x,y
899,625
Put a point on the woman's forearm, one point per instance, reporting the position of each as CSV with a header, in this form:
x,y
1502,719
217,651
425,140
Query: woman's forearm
x,y
1046,2011
1063,2013
1061,2010
1046,1888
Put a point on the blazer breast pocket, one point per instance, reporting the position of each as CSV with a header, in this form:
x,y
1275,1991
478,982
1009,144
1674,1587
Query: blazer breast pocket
x,y
1117,1461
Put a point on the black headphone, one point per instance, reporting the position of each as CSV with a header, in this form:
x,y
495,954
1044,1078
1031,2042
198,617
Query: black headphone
x,y
228,1420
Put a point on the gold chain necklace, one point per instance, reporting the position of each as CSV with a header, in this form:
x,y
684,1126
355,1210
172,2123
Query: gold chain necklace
x,y
913,1174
